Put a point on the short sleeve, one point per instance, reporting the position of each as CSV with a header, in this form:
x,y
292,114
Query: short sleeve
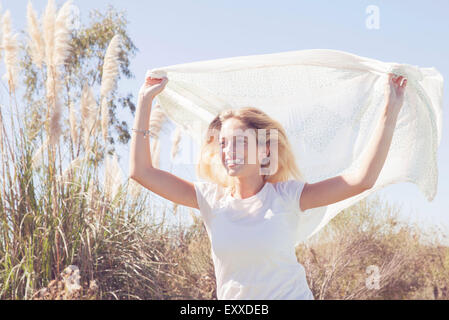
x,y
205,196
291,191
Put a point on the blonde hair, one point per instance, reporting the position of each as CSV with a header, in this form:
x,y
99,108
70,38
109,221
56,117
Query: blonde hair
x,y
209,166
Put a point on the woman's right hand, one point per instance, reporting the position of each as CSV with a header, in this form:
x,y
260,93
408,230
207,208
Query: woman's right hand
x,y
395,92
152,87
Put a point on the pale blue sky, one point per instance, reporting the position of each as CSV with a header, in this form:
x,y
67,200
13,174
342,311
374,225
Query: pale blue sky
x,y
173,32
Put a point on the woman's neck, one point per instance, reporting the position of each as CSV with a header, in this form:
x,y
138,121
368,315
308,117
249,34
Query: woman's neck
x,y
245,188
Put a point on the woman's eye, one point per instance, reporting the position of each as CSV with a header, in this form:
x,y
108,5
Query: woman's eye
x,y
241,141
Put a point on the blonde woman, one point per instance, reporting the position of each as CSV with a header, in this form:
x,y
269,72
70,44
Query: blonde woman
x,y
254,192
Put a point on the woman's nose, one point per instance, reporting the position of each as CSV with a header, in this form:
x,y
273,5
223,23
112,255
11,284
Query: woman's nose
x,y
231,152
228,152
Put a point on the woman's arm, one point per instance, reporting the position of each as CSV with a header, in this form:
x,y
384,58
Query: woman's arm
x,y
373,158
140,155
141,168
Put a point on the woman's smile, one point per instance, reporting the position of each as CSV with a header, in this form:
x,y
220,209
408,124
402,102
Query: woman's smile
x,y
234,163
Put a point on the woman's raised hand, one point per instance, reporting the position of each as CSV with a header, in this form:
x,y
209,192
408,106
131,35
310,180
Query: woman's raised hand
x,y
152,87
395,92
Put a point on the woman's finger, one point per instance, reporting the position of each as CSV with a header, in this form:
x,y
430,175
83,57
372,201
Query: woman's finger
x,y
390,77
404,83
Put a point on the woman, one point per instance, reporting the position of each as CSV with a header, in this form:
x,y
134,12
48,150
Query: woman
x,y
250,214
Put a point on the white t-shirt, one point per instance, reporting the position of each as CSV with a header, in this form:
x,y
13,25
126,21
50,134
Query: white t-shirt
x,y
253,241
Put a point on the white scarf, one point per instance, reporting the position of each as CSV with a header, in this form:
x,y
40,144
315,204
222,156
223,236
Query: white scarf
x,y
329,103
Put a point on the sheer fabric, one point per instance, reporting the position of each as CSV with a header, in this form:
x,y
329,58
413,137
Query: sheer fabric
x,y
329,102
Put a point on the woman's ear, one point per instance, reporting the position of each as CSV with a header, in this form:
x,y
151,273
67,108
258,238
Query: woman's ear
x,y
264,155
267,150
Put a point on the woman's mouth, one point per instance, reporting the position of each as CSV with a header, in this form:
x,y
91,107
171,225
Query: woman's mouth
x,y
233,163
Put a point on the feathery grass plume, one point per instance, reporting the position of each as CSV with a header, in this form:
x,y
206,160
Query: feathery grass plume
x,y
134,189
55,123
88,114
113,177
48,22
104,118
110,67
62,35
11,52
109,80
36,41
60,54
75,164
73,123
176,141
157,119
38,155
57,46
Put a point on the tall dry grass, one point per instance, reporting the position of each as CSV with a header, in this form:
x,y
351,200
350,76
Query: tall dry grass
x,y
370,236
59,208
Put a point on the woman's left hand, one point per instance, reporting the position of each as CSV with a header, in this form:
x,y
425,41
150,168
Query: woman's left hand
x,y
395,92
152,87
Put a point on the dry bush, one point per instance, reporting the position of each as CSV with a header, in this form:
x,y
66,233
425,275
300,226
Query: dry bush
x,y
195,264
338,259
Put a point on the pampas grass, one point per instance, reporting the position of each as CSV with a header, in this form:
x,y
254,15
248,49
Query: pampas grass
x,y
49,19
157,119
11,52
62,35
55,122
73,123
89,109
104,119
36,41
113,177
109,80
38,156
110,67
57,49
68,172
48,22
134,189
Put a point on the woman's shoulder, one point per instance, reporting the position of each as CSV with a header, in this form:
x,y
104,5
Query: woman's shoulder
x,y
287,184
289,189
208,186
209,191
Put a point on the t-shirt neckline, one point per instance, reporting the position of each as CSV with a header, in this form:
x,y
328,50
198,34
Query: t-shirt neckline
x,y
257,195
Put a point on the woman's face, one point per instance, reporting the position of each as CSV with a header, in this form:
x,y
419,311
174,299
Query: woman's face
x,y
239,152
